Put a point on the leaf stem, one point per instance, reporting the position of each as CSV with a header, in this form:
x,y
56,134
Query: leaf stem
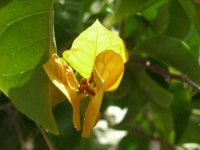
x,y
45,136
9,110
167,75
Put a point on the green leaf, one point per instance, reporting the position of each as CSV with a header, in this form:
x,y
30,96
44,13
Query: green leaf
x,y
26,42
69,138
87,143
192,9
192,39
137,99
161,96
179,22
136,102
158,15
192,130
143,90
163,120
152,12
172,52
127,7
193,126
133,142
180,109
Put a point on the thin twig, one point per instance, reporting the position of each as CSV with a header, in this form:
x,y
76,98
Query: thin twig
x,y
46,138
8,108
149,137
167,75
2,107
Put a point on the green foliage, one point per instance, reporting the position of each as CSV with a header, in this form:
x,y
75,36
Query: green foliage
x,y
132,142
69,137
172,52
192,9
157,89
26,41
180,109
125,7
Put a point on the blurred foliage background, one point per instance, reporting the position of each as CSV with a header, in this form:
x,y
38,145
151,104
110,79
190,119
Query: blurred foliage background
x,y
157,105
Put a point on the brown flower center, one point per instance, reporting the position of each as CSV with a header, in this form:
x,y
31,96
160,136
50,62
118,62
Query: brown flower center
x,y
87,85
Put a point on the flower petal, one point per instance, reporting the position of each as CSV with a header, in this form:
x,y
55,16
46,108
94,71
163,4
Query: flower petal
x,y
110,66
89,44
63,78
92,114
116,84
108,70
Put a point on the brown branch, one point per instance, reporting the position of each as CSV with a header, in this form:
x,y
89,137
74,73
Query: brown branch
x,y
149,137
9,109
167,75
6,106
45,136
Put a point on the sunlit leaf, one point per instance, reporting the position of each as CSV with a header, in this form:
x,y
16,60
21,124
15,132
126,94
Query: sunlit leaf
x,y
26,42
89,44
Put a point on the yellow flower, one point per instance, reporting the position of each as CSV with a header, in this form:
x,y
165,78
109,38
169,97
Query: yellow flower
x,y
98,55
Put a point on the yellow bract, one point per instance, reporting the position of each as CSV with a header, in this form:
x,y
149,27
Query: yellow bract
x,y
63,78
107,69
89,44
110,66
99,56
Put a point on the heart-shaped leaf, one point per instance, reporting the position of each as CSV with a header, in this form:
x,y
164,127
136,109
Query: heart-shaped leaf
x,y
89,44
26,42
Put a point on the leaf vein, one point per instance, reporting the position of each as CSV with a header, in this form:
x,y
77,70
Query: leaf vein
x,y
18,73
20,19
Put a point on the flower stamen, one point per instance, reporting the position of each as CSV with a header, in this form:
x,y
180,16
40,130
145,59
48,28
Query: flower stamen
x,y
85,86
